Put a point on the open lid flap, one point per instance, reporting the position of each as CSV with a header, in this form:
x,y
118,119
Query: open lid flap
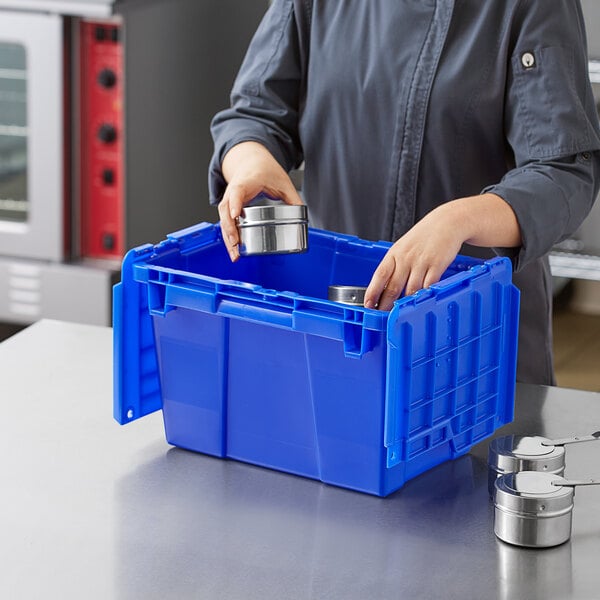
x,y
135,368
137,391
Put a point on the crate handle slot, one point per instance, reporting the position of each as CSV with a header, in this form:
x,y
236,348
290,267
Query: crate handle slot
x,y
257,312
259,306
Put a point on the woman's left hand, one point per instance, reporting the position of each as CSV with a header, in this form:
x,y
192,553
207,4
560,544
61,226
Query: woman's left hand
x,y
420,257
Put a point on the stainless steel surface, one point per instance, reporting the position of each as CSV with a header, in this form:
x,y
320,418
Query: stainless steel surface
x,y
347,294
514,453
531,510
282,238
273,228
94,510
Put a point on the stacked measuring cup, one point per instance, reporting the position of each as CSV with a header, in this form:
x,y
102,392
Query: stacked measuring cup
x,y
533,502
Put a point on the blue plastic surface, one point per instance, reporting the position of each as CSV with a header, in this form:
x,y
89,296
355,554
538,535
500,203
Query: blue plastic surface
x,y
251,361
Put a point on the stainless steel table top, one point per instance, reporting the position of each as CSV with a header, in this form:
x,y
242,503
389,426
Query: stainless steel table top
x,y
91,509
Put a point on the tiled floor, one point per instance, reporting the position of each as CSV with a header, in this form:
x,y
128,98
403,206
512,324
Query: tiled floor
x,y
576,347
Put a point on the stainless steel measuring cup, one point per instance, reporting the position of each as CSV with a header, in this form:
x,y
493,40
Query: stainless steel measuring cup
x,y
534,509
273,227
347,294
514,453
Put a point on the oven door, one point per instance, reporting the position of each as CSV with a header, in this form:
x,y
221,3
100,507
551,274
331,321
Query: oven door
x,y
31,136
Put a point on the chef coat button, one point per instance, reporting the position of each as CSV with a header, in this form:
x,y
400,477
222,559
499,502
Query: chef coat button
x,y
528,60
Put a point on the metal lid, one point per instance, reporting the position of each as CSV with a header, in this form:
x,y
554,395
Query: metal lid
x,y
513,453
533,493
347,294
273,213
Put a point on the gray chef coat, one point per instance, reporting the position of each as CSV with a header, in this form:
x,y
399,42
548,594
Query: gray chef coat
x,y
398,106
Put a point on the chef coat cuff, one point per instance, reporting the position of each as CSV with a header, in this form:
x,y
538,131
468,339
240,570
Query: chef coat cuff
x,y
550,200
524,200
514,254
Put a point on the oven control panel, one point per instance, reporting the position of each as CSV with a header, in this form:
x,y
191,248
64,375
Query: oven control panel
x,y
101,139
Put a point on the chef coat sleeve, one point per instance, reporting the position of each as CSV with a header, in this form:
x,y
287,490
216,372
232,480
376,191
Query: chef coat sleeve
x,y
265,97
551,126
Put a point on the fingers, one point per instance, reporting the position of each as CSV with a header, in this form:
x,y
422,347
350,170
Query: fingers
x,y
230,209
250,169
284,191
433,276
416,280
395,276
386,284
290,196
235,198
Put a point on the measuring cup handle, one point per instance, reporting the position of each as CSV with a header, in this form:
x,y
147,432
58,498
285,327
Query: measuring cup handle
x,y
573,440
575,482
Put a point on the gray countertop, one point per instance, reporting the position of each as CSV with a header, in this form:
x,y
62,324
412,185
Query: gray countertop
x,y
91,509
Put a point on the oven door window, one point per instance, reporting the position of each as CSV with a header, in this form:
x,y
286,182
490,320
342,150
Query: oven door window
x,y
13,132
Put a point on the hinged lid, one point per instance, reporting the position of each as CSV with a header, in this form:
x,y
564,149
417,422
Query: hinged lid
x,y
531,493
273,213
513,453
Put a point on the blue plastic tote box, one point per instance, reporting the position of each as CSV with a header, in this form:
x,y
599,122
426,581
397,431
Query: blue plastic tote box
x,y
251,361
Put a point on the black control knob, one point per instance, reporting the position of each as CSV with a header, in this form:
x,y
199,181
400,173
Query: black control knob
x,y
108,176
107,78
108,241
107,133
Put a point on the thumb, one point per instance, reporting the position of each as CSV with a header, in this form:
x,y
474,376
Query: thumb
x,y
238,196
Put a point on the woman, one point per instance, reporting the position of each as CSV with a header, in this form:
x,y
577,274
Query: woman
x,y
445,126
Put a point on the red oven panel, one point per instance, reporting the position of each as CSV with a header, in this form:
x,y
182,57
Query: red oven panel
x,y
102,144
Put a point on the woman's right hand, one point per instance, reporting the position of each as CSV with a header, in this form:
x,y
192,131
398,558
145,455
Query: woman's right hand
x,y
250,169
